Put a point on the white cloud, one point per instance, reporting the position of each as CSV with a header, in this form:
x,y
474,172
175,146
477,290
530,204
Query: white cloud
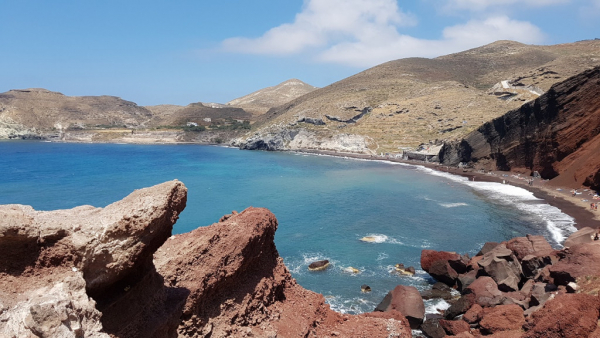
x,y
456,38
364,33
324,21
480,5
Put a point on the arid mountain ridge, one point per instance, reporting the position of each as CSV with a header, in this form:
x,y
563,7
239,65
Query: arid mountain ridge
x,y
396,106
412,101
41,113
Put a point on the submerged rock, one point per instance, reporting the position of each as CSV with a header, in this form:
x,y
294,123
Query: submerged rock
x,y
318,265
401,269
351,270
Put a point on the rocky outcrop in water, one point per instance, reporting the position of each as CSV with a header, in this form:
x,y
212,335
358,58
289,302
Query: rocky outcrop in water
x,y
118,272
557,135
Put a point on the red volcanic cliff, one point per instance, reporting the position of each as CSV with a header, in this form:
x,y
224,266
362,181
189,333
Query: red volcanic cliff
x,y
96,272
557,135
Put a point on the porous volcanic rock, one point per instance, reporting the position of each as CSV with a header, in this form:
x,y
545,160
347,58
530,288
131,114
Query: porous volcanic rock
x,y
568,315
428,257
502,318
580,260
454,327
54,260
238,286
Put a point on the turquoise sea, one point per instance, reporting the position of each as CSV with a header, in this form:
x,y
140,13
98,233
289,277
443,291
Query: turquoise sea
x,y
324,205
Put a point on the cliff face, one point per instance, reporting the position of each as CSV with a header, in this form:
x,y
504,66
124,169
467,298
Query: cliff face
x,y
96,272
557,135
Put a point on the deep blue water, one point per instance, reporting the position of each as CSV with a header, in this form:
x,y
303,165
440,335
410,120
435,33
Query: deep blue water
x,y
324,205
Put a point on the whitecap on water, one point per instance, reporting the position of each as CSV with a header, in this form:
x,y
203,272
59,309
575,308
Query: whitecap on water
x,y
380,238
382,255
558,224
352,305
374,238
452,205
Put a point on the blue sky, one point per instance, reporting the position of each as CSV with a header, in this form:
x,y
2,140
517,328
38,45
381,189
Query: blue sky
x,y
178,52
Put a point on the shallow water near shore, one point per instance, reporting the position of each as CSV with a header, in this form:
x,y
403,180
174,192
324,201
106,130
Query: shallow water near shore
x,y
324,205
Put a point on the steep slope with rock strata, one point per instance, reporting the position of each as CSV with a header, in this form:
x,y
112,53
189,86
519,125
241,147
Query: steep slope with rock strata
x,y
414,100
557,135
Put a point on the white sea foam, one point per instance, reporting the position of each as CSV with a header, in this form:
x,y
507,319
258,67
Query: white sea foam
x,y
375,238
382,256
380,238
353,305
452,205
558,224
434,305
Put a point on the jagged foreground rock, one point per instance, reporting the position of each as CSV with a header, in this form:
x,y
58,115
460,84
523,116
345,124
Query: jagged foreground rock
x,y
96,272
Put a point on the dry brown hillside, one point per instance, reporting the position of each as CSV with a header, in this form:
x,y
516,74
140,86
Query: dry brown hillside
x,y
41,109
198,113
262,100
403,103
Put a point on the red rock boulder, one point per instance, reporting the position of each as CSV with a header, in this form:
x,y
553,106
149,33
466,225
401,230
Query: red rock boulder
x,y
428,257
502,318
406,300
502,265
579,261
474,314
583,235
485,291
454,327
529,245
568,315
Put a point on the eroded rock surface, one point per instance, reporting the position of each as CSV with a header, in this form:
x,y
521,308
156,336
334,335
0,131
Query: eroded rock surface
x,y
99,272
53,261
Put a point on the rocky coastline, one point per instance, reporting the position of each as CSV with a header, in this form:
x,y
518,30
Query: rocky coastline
x,y
119,272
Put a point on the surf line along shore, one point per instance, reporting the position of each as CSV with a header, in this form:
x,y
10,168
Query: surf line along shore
x,y
555,196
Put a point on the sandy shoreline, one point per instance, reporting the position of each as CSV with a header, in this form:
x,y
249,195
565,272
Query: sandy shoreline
x,y
561,199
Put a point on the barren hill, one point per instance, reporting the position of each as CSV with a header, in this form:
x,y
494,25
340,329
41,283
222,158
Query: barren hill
x,y
403,103
200,113
262,100
33,110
